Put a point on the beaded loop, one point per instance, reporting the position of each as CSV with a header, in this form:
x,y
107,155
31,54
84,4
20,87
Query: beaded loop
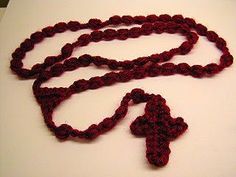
x,y
156,124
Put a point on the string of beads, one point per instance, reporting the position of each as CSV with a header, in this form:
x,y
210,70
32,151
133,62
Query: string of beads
x,y
156,124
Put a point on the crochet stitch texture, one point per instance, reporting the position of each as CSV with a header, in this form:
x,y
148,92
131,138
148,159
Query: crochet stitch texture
x,y
156,124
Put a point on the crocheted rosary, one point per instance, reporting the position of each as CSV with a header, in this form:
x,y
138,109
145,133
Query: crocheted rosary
x,y
156,124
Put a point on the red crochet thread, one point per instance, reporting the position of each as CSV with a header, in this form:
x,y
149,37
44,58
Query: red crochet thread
x,y
156,124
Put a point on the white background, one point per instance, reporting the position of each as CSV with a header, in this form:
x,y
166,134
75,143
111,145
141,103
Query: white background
x,y
28,149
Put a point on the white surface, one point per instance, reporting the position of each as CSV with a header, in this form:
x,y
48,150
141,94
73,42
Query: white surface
x,y
2,10
28,149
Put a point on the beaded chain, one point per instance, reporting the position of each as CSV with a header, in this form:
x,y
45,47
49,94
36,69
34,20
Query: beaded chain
x,y
156,124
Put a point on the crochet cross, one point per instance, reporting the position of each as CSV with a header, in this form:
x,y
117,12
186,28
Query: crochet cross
x,y
159,128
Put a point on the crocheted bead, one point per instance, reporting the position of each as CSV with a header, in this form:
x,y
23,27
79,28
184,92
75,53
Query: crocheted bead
x,y
81,85
84,39
95,23
95,82
60,27
135,32
115,20
122,34
152,18
37,37
185,48
16,64
191,22
127,64
212,68
49,31
110,78
98,61
67,50
154,70
164,17
138,96
127,19
139,19
113,64
159,27
27,45
139,73
85,60
57,69
50,60
220,43
106,124
168,69
183,68
110,34
71,64
37,68
63,131
125,76
73,25
212,36
201,29
197,71
226,60
18,54
178,18
92,132
147,28
97,36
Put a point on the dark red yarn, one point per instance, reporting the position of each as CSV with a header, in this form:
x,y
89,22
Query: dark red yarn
x,y
156,124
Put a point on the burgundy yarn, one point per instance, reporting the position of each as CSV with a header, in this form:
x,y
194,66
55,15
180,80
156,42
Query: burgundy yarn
x,y
156,124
